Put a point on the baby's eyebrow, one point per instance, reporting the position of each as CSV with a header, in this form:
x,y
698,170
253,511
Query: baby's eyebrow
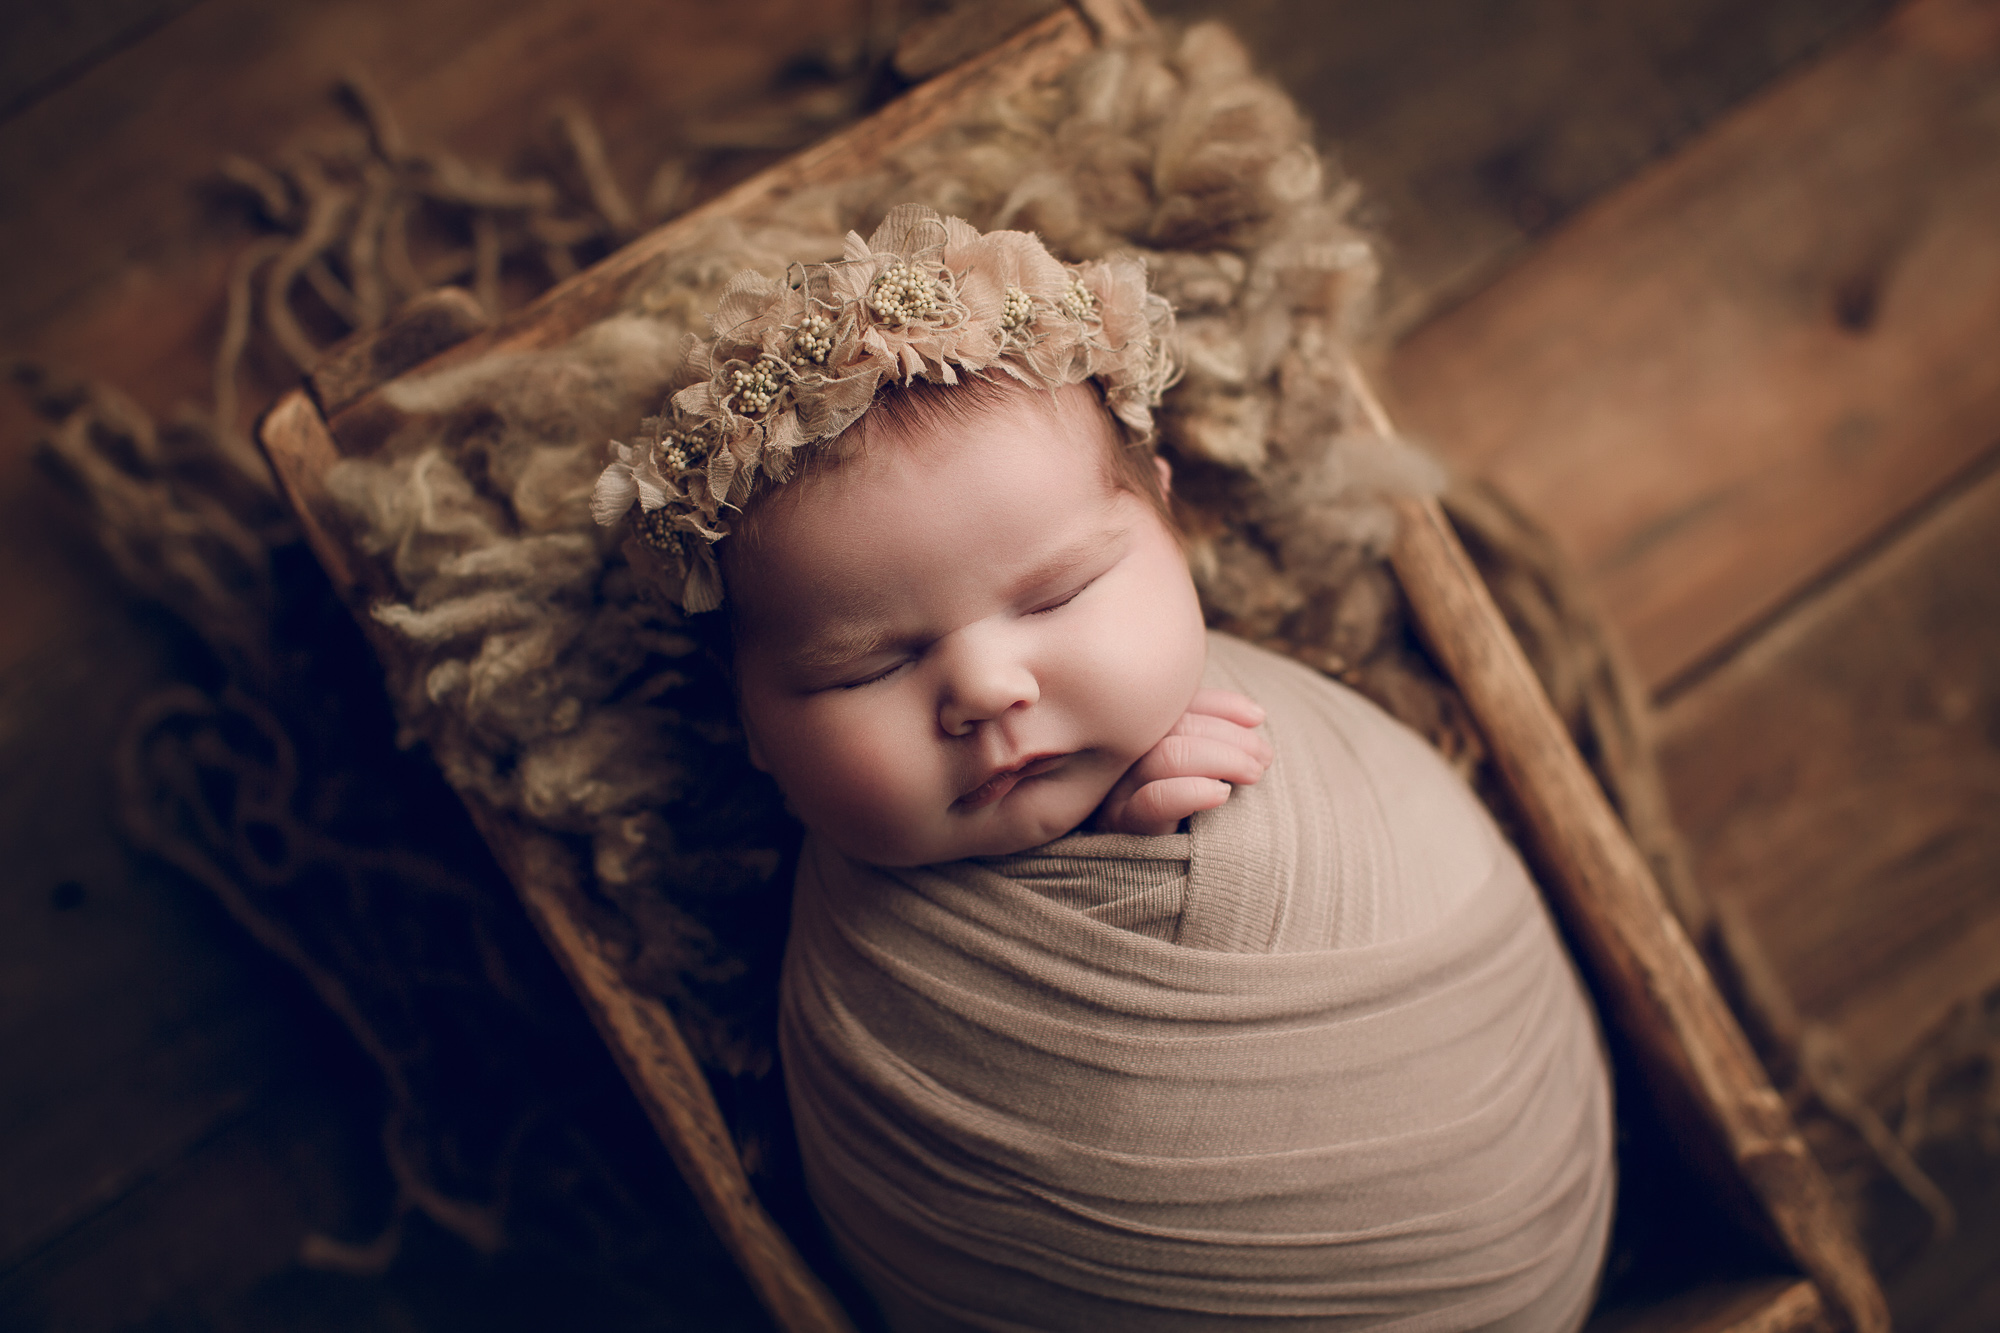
x,y
838,646
1063,560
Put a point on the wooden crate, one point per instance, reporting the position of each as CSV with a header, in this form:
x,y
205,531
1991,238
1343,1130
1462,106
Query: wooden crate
x,y
1657,999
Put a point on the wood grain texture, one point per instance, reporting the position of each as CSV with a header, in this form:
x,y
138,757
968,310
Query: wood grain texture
x,y
419,331
1955,1287
938,41
1655,984
661,1068
1840,780
99,1097
201,1231
102,176
1763,1305
301,452
41,45
1732,372
169,1101
1114,20
118,246
1037,52
1477,128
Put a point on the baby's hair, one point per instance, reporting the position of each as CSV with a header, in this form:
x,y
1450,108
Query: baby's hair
x,y
925,409
914,410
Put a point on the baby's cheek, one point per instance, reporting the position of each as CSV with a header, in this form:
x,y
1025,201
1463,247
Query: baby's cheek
x,y
1154,685
871,780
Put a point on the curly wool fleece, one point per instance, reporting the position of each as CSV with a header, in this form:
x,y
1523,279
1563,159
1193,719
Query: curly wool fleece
x,y
548,686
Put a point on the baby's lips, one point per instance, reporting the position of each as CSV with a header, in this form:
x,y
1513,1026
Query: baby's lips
x,y
1001,782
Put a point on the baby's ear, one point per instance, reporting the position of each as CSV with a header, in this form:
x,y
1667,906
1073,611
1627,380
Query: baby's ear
x,y
1166,474
750,744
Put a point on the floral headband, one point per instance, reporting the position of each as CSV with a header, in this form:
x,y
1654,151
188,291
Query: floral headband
x,y
794,364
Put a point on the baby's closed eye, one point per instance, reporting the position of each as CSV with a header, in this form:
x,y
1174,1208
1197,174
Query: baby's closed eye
x,y
874,676
1060,602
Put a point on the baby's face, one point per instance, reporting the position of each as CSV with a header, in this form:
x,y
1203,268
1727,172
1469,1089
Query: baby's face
x,y
954,647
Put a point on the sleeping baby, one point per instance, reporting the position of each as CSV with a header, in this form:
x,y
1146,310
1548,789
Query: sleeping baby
x,y
1138,978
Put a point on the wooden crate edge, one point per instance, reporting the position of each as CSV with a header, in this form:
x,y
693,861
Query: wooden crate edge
x,y
640,1031
1620,916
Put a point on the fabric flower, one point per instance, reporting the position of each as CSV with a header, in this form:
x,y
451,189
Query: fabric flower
x,y
791,364
635,476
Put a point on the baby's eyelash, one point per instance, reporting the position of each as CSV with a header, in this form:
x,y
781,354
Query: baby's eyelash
x,y
1057,606
883,674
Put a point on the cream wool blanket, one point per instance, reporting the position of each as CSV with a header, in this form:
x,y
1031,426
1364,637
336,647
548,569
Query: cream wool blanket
x,y
1318,1063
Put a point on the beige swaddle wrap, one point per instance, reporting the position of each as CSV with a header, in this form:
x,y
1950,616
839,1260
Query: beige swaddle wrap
x,y
1318,1063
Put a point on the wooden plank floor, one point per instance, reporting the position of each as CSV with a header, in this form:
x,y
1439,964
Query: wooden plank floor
x,y
1752,393
1853,746
1710,287
1735,371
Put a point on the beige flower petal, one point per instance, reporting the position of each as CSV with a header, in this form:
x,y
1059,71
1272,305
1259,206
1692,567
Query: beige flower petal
x,y
613,495
960,237
721,472
782,433
747,297
697,400
652,487
909,230
703,589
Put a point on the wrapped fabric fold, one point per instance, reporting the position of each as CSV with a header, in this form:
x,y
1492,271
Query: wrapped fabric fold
x,y
1319,1062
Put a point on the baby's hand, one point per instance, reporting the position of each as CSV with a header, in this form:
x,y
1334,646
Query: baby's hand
x,y
1190,769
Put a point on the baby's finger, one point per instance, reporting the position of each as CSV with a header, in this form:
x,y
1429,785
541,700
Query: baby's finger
x,y
1158,808
1221,729
1238,708
1199,756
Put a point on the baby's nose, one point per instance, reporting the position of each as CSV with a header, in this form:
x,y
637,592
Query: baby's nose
x,y
981,683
